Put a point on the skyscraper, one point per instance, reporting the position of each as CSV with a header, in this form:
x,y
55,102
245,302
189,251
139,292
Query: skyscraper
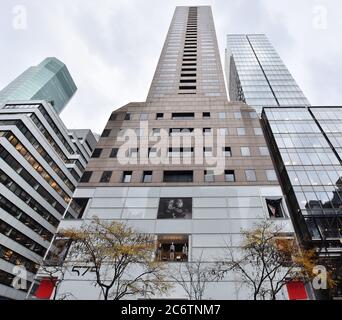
x,y
50,81
199,170
257,75
305,143
41,162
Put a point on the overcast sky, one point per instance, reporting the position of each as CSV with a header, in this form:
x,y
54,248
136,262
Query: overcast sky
x,y
111,47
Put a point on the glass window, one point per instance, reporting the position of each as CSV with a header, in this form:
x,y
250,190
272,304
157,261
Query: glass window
x,y
106,175
264,151
127,176
133,152
303,178
222,115
97,153
207,131
152,153
275,209
183,116
128,116
143,116
208,151
223,131
209,176
114,153
271,175
178,176
113,117
159,116
241,131
147,176
139,132
245,152
86,176
105,133
258,131
229,175
172,248
206,115
156,132
237,115
250,175
313,177
227,152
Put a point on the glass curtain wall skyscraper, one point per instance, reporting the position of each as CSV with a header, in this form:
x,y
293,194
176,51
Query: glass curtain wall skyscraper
x,y
50,81
256,74
304,141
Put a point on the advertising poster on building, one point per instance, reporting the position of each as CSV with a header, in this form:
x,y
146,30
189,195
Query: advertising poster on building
x,y
175,208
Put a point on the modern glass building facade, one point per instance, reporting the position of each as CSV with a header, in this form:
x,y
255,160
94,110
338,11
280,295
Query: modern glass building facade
x,y
306,143
50,81
256,74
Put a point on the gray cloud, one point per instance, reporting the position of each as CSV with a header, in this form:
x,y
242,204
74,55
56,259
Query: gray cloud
x,y
111,47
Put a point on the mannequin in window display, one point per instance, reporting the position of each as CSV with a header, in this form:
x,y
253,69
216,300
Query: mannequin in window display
x,y
185,252
172,251
159,252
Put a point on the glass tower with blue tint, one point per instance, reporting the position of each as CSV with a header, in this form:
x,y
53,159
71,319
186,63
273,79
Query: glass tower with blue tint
x,y
256,74
50,81
306,143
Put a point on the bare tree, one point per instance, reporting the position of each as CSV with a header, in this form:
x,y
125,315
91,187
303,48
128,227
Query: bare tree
x,y
194,276
122,259
268,260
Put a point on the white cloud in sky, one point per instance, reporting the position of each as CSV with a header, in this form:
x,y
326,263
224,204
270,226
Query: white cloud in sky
x,y
111,47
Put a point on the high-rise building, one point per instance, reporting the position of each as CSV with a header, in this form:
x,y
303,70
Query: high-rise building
x,y
41,162
194,151
306,143
256,74
50,81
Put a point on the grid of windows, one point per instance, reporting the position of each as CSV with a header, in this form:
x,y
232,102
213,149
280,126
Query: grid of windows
x,y
25,175
22,239
312,164
258,76
24,196
20,215
37,166
17,259
7,279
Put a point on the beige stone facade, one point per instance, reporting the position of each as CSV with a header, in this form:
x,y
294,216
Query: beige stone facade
x,y
237,162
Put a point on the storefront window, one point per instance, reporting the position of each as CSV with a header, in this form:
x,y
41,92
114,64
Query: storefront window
x,y
172,248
